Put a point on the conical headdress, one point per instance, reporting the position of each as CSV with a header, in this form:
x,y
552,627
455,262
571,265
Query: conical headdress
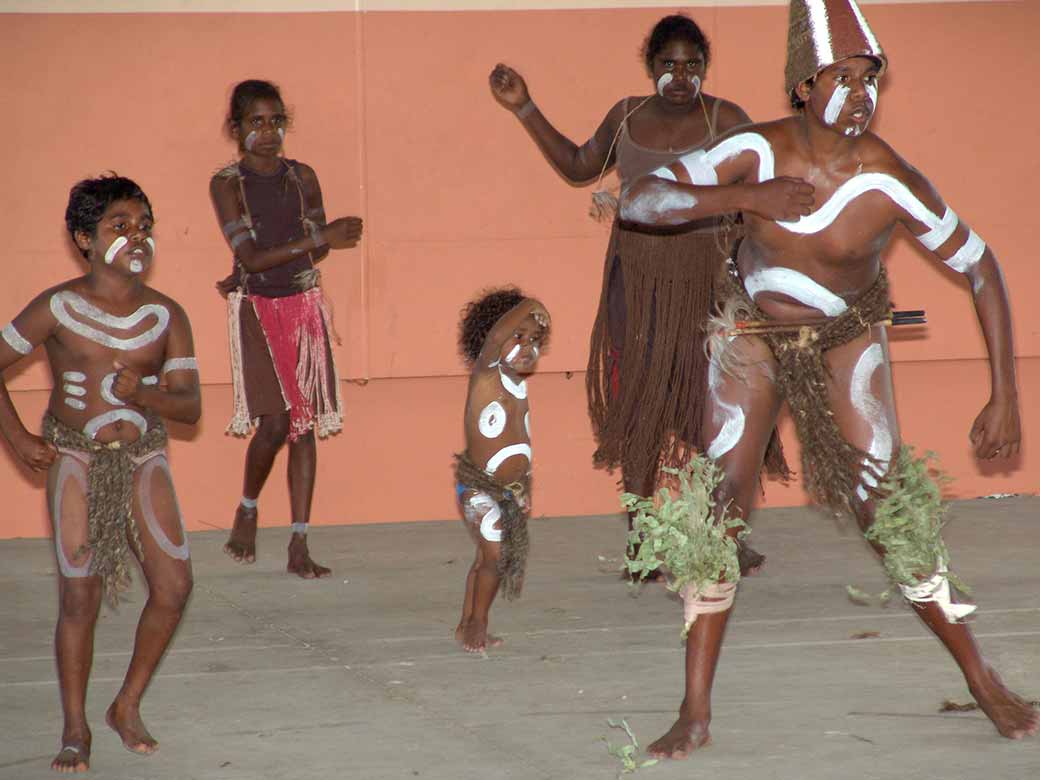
x,y
822,32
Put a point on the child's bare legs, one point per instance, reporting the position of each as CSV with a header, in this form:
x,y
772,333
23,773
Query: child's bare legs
x,y
863,402
79,601
303,465
475,637
167,572
268,438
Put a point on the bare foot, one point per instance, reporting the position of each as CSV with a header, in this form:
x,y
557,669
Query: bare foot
x,y
74,755
490,640
1013,716
300,562
241,545
125,720
751,561
686,735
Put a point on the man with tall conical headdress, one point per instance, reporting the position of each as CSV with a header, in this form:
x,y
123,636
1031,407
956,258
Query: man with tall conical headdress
x,y
804,308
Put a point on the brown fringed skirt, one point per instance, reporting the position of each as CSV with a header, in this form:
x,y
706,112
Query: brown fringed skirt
x,y
647,369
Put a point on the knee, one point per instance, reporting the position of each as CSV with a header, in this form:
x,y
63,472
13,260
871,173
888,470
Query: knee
x,y
273,429
488,559
173,592
81,599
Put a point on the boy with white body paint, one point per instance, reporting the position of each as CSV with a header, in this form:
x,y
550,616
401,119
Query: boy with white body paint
x,y
822,267
501,336
122,358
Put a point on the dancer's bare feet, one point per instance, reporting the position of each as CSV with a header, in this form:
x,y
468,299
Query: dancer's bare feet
x,y
751,561
687,734
125,720
241,545
300,562
1013,716
490,640
74,755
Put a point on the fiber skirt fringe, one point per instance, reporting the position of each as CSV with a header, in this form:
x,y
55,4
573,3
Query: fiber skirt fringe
x,y
281,361
647,371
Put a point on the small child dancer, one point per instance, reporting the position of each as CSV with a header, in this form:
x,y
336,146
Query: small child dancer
x,y
500,336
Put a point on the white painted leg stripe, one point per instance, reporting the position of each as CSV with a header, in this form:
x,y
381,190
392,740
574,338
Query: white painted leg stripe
x,y
941,233
69,468
968,255
15,340
179,552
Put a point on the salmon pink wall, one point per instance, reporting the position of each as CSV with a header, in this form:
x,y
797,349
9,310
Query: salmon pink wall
x,y
393,111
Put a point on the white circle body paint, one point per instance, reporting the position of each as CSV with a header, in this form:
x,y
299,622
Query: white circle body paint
x,y
492,420
136,266
250,141
113,249
664,81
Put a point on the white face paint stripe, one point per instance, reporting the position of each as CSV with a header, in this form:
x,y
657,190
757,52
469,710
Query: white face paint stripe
x,y
94,424
515,389
74,376
72,389
250,141
149,380
151,242
663,82
968,256
492,420
836,104
69,467
872,92
180,364
512,354
872,411
797,285
15,340
281,133
106,390
821,30
62,301
144,480
113,249
695,82
76,404
853,188
499,457
941,233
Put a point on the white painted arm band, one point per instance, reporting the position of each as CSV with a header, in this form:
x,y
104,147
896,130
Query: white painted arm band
x,y
940,234
230,228
937,590
968,255
180,364
15,340
664,173
239,238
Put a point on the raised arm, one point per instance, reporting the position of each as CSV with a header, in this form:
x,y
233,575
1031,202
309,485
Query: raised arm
x,y
996,431
734,174
180,399
340,234
17,339
577,164
503,330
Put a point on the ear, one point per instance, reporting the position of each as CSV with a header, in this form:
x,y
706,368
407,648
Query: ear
x,y
803,90
83,240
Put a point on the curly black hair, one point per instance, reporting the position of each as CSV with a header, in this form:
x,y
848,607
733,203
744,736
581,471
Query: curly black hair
x,y
89,199
677,27
479,317
243,96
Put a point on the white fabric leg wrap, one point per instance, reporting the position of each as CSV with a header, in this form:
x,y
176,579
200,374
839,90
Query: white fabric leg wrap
x,y
714,598
937,590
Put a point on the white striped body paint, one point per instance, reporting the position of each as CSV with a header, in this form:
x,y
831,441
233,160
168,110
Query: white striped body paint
x,y
69,467
147,471
113,249
250,141
492,420
106,390
95,424
874,413
180,364
657,205
75,403
496,460
968,256
731,416
74,376
511,356
74,389
795,285
836,104
664,81
15,340
700,165
527,423
62,302
515,389
483,508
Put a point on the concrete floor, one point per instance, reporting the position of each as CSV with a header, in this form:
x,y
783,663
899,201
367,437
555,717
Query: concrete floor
x,y
357,676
